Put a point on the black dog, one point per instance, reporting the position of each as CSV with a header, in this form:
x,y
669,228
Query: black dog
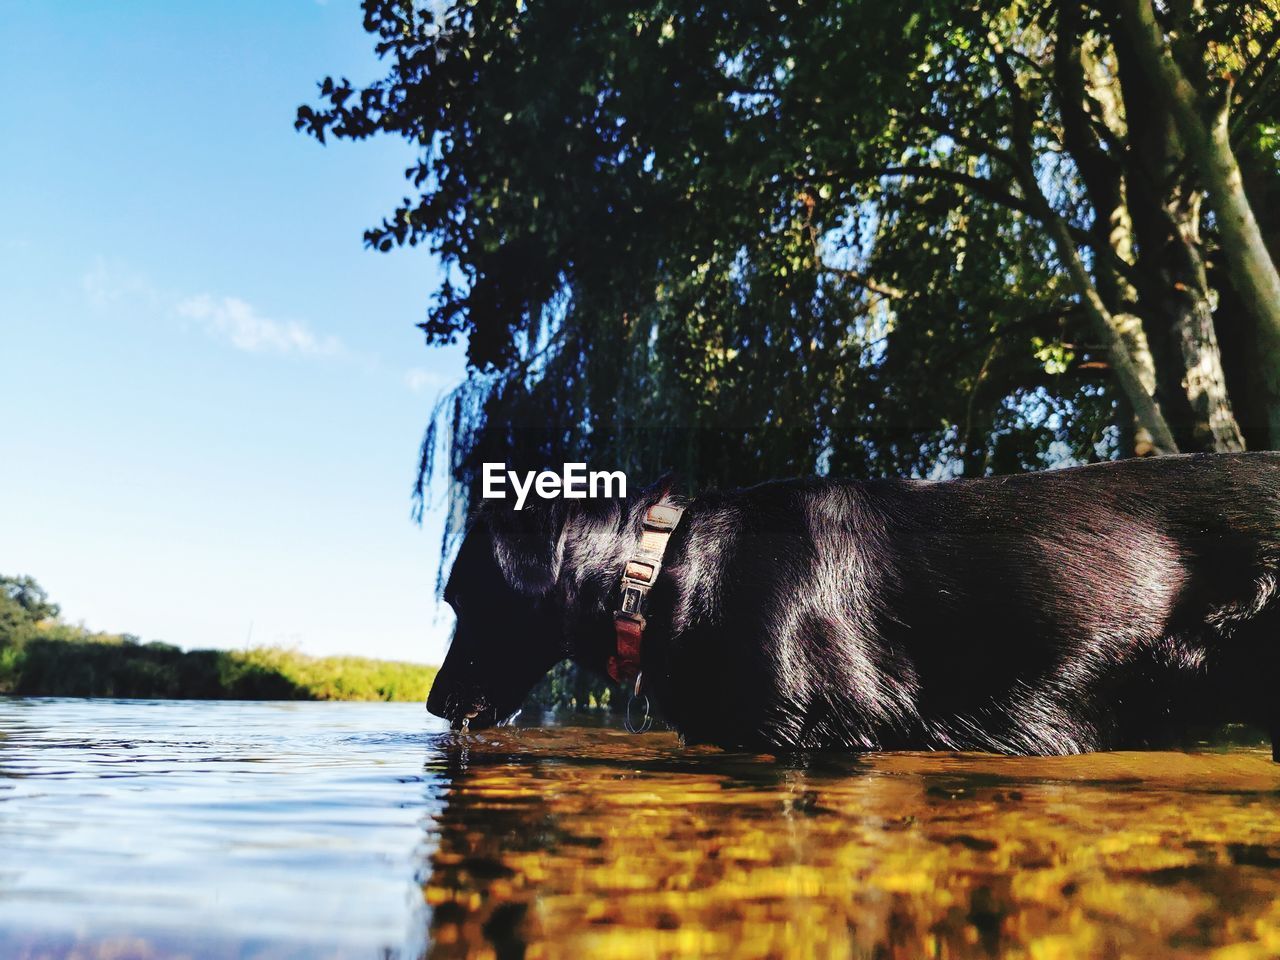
x,y
1048,613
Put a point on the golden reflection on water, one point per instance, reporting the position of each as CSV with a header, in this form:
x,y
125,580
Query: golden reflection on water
x,y
594,843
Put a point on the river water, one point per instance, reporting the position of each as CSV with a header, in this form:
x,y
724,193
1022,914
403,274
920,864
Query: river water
x,y
259,830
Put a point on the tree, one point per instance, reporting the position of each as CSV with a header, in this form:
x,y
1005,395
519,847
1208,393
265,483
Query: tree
x,y
765,238
1202,112
23,598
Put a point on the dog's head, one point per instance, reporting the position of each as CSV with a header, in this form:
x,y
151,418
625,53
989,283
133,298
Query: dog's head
x,y
509,630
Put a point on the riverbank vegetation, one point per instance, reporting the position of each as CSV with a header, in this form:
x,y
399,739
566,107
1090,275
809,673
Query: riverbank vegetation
x,y
42,655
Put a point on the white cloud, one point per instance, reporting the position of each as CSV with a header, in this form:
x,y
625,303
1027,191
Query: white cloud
x,y
107,283
244,328
112,284
418,380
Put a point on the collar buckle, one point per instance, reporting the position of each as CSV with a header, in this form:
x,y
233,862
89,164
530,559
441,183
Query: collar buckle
x,y
638,577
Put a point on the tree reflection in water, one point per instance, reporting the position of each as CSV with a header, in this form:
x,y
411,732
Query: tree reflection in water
x,y
572,842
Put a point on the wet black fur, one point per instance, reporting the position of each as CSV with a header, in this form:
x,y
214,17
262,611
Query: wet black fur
x,y
1048,613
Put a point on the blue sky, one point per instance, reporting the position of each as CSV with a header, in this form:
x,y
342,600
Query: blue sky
x,y
213,394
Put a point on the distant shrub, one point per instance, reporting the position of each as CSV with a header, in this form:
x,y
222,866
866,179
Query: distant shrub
x,y
40,655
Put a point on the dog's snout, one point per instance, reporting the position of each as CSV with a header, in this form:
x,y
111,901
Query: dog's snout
x,y
458,706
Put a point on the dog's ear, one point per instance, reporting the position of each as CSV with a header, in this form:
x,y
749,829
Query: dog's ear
x,y
665,485
528,544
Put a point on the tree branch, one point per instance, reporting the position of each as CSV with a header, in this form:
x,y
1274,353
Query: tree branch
x,y
940,124
1105,325
987,189
1265,58
1256,96
862,280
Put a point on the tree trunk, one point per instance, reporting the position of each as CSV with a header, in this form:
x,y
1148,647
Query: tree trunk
x,y
1107,328
1140,441
1253,272
1191,375
1173,288
1237,327
1104,322
1078,82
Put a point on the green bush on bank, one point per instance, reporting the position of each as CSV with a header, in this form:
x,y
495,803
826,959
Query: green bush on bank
x,y
41,655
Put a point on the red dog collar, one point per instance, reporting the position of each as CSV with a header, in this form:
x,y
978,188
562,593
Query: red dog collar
x,y
638,578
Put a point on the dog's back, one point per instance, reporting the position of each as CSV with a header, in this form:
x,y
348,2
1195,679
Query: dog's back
x,y
1044,613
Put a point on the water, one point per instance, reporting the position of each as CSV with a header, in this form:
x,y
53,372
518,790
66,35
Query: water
x,y
139,829
197,829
